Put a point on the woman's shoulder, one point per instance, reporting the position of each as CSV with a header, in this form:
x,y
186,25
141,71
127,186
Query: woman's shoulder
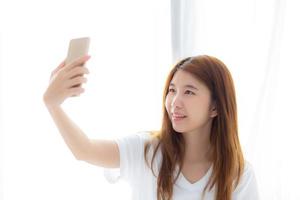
x,y
144,134
149,137
140,138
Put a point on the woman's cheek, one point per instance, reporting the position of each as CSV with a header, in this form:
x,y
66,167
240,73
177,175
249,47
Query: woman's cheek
x,y
167,104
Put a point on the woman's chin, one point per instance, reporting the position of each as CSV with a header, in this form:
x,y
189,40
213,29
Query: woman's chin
x,y
179,129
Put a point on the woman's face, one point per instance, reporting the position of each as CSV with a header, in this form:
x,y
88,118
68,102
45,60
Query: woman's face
x,y
188,103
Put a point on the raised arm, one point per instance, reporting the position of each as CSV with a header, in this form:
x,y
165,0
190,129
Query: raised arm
x,y
66,81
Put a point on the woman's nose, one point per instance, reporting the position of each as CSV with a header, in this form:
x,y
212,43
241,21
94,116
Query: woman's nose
x,y
176,102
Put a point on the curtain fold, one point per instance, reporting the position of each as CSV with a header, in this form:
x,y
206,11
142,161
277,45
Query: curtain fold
x,y
183,21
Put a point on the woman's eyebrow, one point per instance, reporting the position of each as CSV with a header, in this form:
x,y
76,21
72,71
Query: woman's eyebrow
x,y
186,86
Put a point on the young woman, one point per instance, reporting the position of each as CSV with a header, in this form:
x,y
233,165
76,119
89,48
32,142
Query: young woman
x,y
195,155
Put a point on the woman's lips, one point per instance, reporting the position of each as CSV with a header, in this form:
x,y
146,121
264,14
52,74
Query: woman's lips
x,y
177,118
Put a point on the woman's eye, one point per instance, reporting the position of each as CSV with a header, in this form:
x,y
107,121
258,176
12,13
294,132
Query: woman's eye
x,y
171,90
190,92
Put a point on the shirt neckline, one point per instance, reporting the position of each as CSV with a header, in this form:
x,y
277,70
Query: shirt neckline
x,y
198,185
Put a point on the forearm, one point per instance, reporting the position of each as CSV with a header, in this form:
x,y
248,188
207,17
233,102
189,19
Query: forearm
x,y
73,136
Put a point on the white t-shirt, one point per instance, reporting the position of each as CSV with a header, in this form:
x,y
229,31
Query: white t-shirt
x,y
135,171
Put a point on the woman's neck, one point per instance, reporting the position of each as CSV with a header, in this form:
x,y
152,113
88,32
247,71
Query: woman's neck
x,y
197,146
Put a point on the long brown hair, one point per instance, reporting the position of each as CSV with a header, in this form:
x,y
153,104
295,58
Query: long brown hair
x,y
228,161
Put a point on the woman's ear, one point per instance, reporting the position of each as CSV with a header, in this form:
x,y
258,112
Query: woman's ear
x,y
213,110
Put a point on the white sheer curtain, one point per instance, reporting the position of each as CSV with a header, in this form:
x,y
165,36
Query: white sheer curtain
x,y
258,41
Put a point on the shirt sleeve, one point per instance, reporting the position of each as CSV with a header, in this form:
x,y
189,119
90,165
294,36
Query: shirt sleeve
x,y
131,148
247,188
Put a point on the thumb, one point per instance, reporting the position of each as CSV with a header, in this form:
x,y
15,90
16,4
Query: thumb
x,y
61,65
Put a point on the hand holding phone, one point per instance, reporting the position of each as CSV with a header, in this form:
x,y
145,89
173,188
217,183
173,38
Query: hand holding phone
x,y
66,79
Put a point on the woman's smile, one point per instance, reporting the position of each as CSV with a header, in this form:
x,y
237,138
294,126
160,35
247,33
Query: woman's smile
x,y
178,118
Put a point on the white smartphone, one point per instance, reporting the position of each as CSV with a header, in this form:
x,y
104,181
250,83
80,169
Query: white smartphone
x,y
78,47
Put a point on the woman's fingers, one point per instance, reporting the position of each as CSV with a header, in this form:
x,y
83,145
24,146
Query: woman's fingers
x,y
78,62
76,91
76,81
77,71
66,81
